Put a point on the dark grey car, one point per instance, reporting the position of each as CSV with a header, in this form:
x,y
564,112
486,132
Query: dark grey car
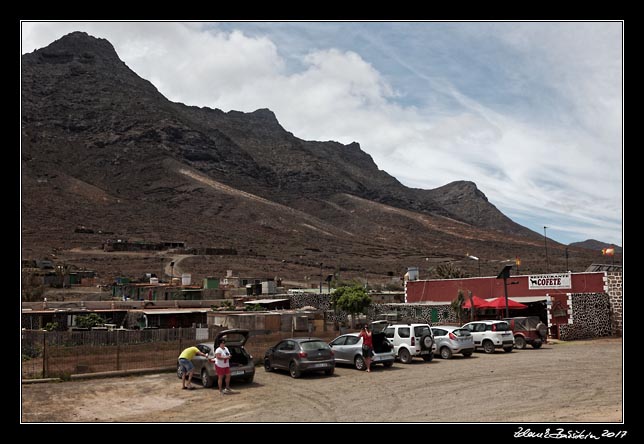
x,y
242,366
299,355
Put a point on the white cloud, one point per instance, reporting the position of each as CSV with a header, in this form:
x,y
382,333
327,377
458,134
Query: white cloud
x,y
537,164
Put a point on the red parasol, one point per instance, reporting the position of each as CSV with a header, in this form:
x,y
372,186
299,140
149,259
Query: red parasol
x,y
499,303
478,302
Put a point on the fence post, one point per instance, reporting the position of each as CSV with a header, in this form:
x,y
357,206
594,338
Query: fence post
x,y
180,339
118,352
45,364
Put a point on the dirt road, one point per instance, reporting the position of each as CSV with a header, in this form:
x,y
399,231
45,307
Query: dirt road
x,y
578,381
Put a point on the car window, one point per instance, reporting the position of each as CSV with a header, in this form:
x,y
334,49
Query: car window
x,y
479,327
502,326
460,332
421,330
439,332
203,348
403,332
314,345
389,332
470,327
339,341
285,346
352,340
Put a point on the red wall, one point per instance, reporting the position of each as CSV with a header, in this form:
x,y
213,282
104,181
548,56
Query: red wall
x,y
490,287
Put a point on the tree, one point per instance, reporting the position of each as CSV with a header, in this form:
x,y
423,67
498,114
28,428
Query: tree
x,y
448,271
353,300
89,321
457,305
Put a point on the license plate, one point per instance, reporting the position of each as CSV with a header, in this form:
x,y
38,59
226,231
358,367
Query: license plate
x,y
237,373
424,352
319,365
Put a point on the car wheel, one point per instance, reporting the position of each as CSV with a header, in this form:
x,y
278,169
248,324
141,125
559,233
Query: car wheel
x,y
467,354
179,371
330,371
359,362
508,349
426,342
405,356
488,346
294,370
267,365
537,344
519,341
207,380
388,364
446,353
542,329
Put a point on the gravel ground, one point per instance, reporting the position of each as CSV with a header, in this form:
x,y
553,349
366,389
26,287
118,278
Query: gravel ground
x,y
577,381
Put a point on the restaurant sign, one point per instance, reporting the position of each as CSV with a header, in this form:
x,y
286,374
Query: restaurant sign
x,y
549,281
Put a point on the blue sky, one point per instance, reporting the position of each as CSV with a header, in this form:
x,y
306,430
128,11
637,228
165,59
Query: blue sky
x,y
529,111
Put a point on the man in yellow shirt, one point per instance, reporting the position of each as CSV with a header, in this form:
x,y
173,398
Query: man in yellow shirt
x,y
185,361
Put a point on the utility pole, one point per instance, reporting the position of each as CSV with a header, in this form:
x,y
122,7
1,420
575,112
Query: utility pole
x,y
545,242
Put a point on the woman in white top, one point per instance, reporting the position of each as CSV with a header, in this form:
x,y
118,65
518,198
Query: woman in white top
x,y
222,366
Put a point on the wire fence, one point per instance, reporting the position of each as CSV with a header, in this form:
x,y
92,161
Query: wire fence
x,y
62,354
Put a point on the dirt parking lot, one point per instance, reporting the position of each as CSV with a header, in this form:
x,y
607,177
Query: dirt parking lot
x,y
578,381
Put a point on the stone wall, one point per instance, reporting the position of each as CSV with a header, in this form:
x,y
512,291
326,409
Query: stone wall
x,y
615,290
589,318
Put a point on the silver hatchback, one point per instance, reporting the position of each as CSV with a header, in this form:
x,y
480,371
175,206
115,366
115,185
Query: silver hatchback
x,y
348,350
450,339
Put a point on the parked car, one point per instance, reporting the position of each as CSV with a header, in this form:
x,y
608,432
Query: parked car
x,y
528,330
242,366
411,340
491,335
347,349
450,339
299,355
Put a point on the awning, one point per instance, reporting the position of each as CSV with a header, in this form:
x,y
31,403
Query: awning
x,y
161,311
526,299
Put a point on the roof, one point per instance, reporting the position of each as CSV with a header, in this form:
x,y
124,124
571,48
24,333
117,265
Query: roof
x,y
604,267
265,301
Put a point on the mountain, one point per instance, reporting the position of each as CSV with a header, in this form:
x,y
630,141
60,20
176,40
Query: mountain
x,y
103,150
596,245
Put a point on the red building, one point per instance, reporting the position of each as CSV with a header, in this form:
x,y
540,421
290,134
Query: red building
x,y
519,287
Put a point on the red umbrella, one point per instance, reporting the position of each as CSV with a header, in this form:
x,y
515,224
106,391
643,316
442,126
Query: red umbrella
x,y
478,302
499,303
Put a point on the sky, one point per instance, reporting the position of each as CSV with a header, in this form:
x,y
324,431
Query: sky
x,y
532,112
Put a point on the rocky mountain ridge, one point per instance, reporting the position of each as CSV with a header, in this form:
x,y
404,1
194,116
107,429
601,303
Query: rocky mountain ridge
x,y
102,148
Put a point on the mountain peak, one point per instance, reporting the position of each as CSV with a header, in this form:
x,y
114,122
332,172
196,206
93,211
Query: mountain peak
x,y
78,46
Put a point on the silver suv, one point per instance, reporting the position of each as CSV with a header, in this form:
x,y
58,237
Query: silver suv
x,y
491,335
411,340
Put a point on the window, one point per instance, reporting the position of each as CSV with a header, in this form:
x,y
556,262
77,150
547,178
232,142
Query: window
x,y
479,327
389,333
421,330
352,340
286,346
439,332
340,341
403,332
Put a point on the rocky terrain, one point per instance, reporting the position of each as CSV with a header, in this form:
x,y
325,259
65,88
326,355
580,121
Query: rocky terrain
x,y
103,150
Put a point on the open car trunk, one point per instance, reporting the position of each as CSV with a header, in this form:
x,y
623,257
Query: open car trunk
x,y
238,356
380,343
